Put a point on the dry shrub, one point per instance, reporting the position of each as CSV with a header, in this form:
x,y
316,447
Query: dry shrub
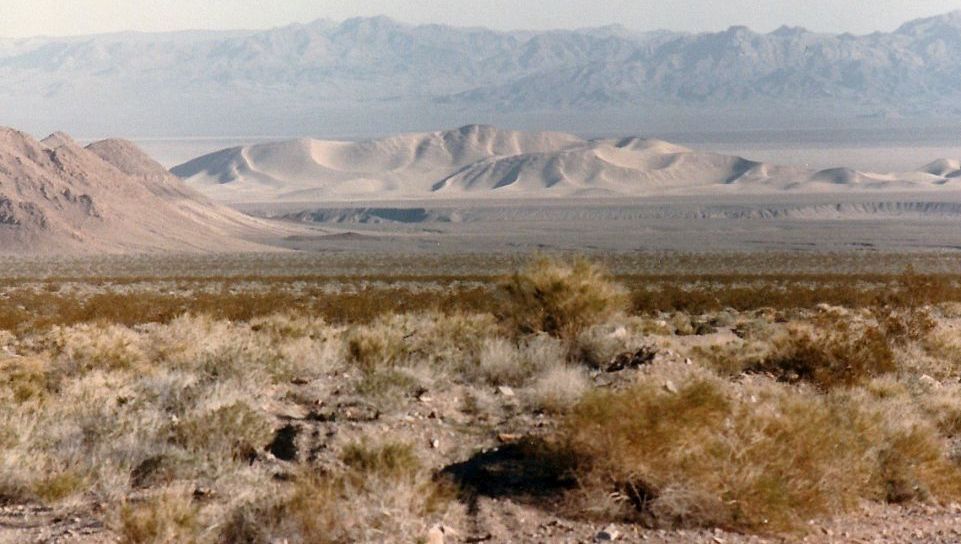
x,y
836,353
26,309
702,453
441,340
6,339
834,349
58,486
384,495
945,348
281,346
169,518
392,460
286,326
598,345
503,362
912,457
562,298
558,388
375,347
904,327
26,379
452,339
385,384
235,431
731,358
312,513
160,469
902,314
84,347
914,290
942,404
400,352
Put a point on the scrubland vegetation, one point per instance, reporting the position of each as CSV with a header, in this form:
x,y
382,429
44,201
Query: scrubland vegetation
x,y
339,410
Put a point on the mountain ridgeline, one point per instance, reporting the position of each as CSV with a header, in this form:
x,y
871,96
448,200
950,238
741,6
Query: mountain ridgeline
x,y
322,76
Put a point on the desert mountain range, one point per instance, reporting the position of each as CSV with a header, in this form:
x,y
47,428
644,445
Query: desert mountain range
x,y
376,76
477,161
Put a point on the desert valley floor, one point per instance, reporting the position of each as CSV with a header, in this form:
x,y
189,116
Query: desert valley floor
x,y
328,396
740,223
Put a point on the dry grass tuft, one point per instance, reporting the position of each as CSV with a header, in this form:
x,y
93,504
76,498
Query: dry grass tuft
x,y
763,460
391,460
25,379
235,431
558,388
835,355
384,495
58,486
312,513
168,518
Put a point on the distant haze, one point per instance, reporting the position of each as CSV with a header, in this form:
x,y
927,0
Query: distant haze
x,y
809,98
23,18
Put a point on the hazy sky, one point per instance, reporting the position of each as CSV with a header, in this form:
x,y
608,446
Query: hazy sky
x,y
20,18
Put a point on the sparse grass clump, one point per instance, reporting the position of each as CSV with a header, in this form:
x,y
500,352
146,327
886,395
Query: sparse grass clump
x,y
837,355
562,298
25,379
312,512
383,495
558,388
235,431
700,453
58,486
392,460
168,518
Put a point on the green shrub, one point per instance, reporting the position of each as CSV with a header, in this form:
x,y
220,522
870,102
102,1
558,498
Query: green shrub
x,y
562,298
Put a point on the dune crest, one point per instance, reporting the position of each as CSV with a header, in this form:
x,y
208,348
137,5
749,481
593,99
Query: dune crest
x,y
485,162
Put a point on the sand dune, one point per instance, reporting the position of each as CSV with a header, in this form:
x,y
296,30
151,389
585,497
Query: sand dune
x,y
406,165
944,168
485,162
59,197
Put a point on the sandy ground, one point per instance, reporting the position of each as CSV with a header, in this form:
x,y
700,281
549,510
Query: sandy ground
x,y
798,223
507,521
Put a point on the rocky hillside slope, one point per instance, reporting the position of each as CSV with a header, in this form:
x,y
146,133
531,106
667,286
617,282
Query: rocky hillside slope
x,y
107,197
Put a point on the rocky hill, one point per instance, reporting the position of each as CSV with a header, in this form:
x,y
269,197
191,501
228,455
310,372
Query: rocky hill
x,y
107,197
